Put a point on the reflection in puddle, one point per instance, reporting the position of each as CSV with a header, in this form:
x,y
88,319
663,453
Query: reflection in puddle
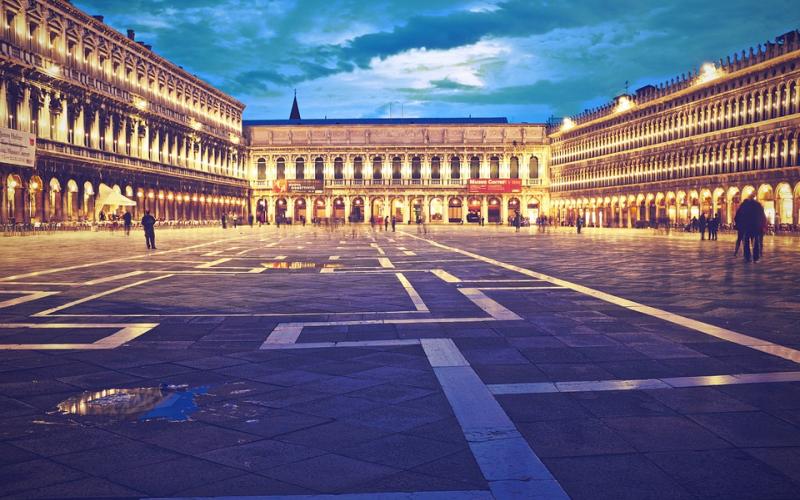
x,y
298,265
174,403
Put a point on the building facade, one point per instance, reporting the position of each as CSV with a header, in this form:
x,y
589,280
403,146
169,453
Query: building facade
x,y
436,170
107,113
700,143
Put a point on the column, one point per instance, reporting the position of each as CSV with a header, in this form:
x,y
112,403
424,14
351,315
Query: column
x,y
503,210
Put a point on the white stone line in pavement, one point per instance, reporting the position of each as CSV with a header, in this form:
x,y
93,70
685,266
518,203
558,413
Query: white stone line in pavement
x,y
50,311
326,270
110,261
213,263
284,333
523,288
279,257
698,326
333,257
384,262
502,281
377,248
113,277
443,352
257,270
418,495
29,296
347,343
419,304
126,333
492,307
644,384
40,283
237,315
409,252
445,276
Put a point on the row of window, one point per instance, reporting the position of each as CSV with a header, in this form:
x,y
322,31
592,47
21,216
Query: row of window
x,y
396,168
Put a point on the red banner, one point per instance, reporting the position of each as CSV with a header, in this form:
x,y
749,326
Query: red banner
x,y
297,186
495,186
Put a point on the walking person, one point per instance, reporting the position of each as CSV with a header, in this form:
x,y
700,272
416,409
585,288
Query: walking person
x,y
517,220
712,228
149,225
127,221
579,223
702,223
394,223
224,222
750,219
386,223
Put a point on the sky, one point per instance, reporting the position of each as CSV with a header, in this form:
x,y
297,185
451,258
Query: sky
x,y
525,60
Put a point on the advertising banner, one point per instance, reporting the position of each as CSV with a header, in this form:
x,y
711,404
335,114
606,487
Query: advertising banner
x,y
297,186
494,186
17,148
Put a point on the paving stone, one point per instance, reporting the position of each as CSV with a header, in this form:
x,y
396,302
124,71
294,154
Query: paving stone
x,y
573,437
329,473
261,455
750,429
401,451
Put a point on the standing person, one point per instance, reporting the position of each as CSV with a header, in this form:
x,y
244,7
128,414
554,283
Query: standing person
x,y
224,221
149,225
517,220
579,223
749,221
394,223
386,223
250,219
712,228
127,220
702,222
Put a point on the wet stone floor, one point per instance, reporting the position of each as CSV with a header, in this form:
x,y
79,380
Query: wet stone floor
x,y
459,362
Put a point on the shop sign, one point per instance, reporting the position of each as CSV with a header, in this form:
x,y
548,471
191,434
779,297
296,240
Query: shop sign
x,y
494,186
17,148
297,186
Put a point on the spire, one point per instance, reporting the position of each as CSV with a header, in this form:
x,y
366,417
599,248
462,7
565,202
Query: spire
x,y
295,114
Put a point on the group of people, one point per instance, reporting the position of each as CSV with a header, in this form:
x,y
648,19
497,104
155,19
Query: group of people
x,y
710,224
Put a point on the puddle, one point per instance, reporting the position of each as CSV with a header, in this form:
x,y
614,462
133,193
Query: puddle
x,y
169,402
298,265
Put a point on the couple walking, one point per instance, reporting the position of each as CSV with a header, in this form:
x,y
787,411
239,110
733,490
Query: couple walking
x,y
751,225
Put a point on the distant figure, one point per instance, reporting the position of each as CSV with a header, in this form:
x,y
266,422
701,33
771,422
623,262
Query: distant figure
x,y
713,224
693,224
102,216
127,222
394,223
702,223
517,220
224,222
750,221
303,220
250,219
579,223
386,223
149,223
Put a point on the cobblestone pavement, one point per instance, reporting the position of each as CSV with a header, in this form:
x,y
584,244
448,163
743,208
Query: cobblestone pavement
x,y
459,363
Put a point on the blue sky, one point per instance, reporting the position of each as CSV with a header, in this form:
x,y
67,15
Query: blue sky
x,y
523,59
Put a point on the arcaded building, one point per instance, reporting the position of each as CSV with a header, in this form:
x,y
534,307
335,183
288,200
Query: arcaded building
x,y
86,111
697,144
437,170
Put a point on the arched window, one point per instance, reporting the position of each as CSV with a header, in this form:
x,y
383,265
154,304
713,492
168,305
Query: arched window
x,y
474,167
455,167
377,167
533,168
396,167
280,168
261,171
338,168
358,168
416,168
319,168
513,171
299,168
494,167
436,168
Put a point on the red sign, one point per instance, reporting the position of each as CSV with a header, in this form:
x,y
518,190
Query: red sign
x,y
297,186
495,186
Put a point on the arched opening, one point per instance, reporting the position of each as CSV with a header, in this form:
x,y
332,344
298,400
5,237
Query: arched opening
x,y
262,214
299,210
377,210
280,169
261,169
734,199
377,168
299,168
436,210
88,201
494,167
473,210
55,207
35,199
436,168
513,168
474,167
358,168
454,210
493,210
418,210
514,208
15,199
533,209
455,167
71,200
319,169
784,206
416,168
357,210
397,168
533,168
338,209
338,169
280,210
767,199
319,210
397,209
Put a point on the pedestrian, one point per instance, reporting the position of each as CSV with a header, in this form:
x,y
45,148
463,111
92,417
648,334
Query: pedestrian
x,y
579,223
693,225
749,220
702,223
482,221
149,223
517,220
250,219
712,228
386,223
224,222
394,223
127,222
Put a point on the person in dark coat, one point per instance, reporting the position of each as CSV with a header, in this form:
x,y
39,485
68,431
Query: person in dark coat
x,y
579,223
394,223
702,223
127,221
224,222
386,223
750,219
149,223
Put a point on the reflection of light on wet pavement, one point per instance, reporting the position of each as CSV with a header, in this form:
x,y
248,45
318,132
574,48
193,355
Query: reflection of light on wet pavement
x,y
298,265
174,403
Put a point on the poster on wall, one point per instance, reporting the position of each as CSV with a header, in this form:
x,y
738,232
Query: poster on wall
x,y
494,186
17,148
297,186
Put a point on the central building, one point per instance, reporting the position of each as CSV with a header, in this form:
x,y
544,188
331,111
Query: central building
x,y
442,170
